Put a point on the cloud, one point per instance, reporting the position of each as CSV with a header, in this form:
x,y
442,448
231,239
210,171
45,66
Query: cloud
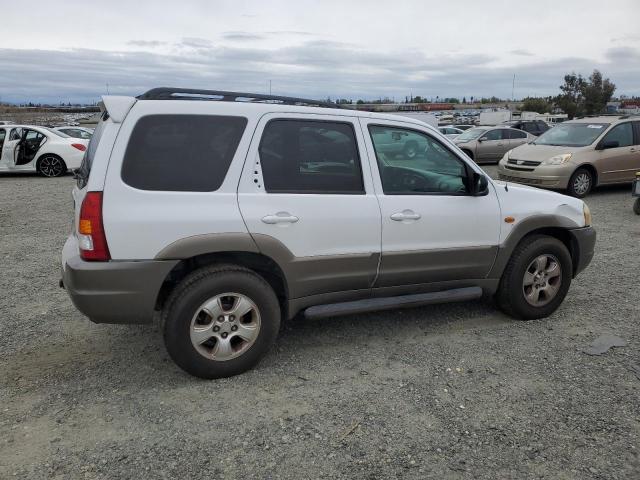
x,y
522,52
241,36
313,68
146,43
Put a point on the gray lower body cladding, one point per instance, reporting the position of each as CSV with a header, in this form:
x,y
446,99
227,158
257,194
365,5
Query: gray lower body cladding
x,y
117,291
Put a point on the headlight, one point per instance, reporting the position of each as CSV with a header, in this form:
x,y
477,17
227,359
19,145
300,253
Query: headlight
x,y
557,160
587,215
506,155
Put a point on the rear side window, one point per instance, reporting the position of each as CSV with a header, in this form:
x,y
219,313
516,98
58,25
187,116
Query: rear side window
x,y
517,134
185,153
302,156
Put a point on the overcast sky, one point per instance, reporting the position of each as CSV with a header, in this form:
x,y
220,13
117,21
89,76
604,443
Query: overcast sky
x,y
70,50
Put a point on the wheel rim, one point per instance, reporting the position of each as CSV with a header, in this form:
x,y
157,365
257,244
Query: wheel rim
x,y
51,166
582,183
225,326
542,280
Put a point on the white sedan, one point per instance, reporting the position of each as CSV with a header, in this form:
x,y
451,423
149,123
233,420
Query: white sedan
x,y
450,132
27,148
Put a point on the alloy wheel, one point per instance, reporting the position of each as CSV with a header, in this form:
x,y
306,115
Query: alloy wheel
x,y
582,183
225,326
51,166
542,280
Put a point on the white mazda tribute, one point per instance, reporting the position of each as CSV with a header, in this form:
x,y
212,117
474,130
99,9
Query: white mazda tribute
x,y
225,213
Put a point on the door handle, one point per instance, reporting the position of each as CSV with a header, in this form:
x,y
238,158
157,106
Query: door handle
x,y
405,215
280,217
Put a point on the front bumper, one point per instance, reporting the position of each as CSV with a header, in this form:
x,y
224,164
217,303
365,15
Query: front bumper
x,y
583,241
115,291
541,176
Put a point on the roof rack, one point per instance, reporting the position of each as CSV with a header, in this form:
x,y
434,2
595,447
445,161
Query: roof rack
x,y
629,115
166,93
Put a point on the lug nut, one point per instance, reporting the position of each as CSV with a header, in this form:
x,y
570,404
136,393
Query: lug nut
x,y
216,328
224,335
234,328
221,318
232,318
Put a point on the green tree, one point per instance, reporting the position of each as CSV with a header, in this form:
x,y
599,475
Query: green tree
x,y
535,104
360,102
597,92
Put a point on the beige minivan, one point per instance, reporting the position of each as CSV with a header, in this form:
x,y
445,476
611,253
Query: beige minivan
x,y
577,155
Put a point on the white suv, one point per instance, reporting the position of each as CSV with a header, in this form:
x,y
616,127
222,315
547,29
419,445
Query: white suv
x,y
225,213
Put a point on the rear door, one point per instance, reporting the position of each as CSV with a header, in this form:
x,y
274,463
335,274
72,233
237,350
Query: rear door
x,y
517,137
494,144
10,147
307,198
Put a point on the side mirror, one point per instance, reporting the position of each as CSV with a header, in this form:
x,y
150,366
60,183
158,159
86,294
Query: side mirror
x,y
482,139
608,144
479,185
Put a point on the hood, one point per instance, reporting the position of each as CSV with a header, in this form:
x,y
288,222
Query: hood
x,y
530,151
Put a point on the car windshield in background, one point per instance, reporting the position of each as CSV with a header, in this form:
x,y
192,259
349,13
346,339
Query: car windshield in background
x,y
470,134
572,134
56,132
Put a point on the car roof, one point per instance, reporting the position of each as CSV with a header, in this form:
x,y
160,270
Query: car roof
x,y
601,119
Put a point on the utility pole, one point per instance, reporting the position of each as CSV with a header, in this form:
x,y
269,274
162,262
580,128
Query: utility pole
x,y
269,87
107,88
513,88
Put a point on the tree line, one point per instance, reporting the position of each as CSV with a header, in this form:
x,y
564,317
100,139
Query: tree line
x,y
578,96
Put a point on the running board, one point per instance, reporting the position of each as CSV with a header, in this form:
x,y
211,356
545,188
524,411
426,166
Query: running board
x,y
387,303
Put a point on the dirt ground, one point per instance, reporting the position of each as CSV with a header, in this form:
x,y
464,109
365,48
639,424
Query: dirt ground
x,y
449,391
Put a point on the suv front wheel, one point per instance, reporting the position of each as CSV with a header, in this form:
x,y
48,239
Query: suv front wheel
x,y
536,279
220,321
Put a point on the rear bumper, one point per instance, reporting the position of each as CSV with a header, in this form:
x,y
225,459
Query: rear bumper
x,y
584,241
115,291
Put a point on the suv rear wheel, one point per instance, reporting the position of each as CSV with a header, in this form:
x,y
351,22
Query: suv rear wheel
x,y
220,321
536,279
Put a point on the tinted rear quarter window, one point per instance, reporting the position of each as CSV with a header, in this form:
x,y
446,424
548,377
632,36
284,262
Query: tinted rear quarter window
x,y
186,153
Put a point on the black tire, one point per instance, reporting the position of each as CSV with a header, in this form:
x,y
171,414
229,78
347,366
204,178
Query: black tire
x,y
575,186
636,206
50,165
510,294
197,288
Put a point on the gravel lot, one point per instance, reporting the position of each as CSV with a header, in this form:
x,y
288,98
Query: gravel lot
x,y
451,391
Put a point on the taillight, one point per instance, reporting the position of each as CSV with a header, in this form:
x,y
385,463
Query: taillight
x,y
91,238
79,146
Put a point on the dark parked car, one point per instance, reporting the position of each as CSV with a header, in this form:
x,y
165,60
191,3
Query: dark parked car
x,y
534,127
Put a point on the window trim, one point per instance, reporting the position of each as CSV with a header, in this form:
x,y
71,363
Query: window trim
x,y
467,168
313,192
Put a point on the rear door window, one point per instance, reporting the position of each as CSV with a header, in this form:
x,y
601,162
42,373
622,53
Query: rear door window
x,y
307,156
186,153
517,134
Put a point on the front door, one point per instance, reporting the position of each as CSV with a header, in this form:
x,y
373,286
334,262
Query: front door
x,y
309,202
433,230
493,144
619,162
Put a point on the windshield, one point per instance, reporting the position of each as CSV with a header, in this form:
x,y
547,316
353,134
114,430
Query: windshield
x,y
56,132
470,134
572,134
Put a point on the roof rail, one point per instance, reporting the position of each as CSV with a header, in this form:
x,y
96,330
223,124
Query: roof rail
x,y
166,93
629,115
595,115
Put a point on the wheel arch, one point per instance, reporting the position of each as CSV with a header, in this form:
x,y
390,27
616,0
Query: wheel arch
x,y
48,154
263,265
553,226
591,169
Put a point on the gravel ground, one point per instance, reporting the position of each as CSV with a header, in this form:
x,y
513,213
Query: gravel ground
x,y
449,391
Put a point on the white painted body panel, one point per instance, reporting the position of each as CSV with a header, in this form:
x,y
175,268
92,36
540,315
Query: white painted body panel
x,y
328,224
